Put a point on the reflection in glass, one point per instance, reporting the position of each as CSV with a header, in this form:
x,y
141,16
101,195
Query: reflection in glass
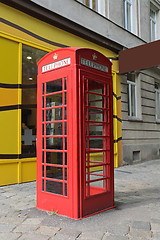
x,y
96,115
54,172
54,114
96,129
54,86
54,128
54,187
96,143
54,158
96,101
65,158
54,143
30,57
54,100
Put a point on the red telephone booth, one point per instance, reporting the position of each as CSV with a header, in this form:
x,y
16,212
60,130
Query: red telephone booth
x,y
75,170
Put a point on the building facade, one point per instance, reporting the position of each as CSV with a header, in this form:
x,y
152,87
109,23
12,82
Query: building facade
x,y
29,29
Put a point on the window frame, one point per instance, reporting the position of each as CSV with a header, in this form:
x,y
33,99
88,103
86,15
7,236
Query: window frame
x,y
126,17
157,92
98,7
153,21
129,93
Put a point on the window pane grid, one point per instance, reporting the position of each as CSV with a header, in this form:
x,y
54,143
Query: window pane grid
x,y
96,144
54,131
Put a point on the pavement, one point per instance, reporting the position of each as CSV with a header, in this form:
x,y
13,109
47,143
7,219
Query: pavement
x,y
136,216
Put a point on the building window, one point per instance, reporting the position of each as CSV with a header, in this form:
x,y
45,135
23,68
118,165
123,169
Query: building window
x,y
96,5
30,57
128,15
132,95
153,26
157,96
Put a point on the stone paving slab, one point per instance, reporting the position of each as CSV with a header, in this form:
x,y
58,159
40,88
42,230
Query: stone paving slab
x,y
9,236
25,228
45,230
29,236
97,235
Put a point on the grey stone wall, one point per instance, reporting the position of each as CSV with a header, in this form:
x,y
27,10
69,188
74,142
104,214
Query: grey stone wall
x,y
141,137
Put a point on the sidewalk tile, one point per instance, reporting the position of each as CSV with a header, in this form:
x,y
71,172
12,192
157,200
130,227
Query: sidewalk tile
x,y
45,230
9,236
24,228
27,236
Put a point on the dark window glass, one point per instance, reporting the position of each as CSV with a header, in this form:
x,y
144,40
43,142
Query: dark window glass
x,y
54,143
30,57
54,100
54,86
54,187
54,114
54,172
54,128
54,158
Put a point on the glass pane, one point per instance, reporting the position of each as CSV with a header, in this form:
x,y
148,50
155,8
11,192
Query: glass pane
x,y
133,104
42,157
54,172
65,189
129,16
54,187
96,158
42,184
65,125
54,143
96,101
96,143
54,86
65,113
54,128
42,170
65,83
65,98
96,115
153,31
54,100
97,187
128,99
54,158
65,158
96,129
42,88
66,174
65,143
30,58
95,87
54,114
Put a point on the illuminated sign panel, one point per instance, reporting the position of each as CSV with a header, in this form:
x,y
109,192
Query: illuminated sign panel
x,y
55,65
94,65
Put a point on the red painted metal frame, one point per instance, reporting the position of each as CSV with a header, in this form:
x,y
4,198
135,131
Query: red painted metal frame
x,y
75,205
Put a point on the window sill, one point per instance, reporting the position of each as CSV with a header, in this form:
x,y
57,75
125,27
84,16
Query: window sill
x,y
135,119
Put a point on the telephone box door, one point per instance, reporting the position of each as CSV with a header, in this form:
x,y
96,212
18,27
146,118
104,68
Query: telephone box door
x,y
53,183
97,146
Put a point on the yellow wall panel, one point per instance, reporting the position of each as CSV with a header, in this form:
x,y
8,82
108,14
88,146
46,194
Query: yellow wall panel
x,y
9,61
9,97
28,171
8,173
9,132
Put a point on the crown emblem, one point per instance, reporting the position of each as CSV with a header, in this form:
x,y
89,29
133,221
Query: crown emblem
x,y
55,56
94,57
